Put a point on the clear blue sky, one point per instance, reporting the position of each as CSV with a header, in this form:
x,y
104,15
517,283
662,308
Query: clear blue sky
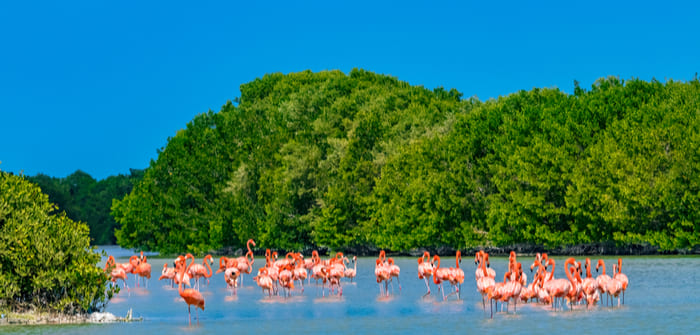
x,y
100,85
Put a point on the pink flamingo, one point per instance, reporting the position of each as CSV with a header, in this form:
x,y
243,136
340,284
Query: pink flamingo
x,y
203,270
245,263
115,272
622,278
590,285
383,275
576,292
351,273
425,270
143,270
299,271
191,297
614,287
394,271
286,279
168,273
500,291
440,275
602,279
264,281
482,256
457,275
557,288
484,283
541,294
316,273
336,271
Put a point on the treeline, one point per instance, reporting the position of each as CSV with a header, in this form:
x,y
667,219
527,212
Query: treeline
x,y
87,200
334,160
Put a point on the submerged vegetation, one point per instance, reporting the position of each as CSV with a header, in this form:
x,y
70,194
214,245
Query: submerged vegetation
x,y
46,262
336,160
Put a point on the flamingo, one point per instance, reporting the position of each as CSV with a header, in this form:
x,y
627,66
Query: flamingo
x,y
264,281
191,296
457,275
168,273
131,267
614,287
485,283
286,279
351,273
197,271
394,271
231,278
516,286
502,291
116,272
272,269
383,275
602,279
299,272
482,256
143,270
590,285
310,263
576,290
425,270
245,265
440,275
538,286
557,288
316,273
622,278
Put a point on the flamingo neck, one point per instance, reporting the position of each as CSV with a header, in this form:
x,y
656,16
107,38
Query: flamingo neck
x,y
483,265
206,264
567,270
435,269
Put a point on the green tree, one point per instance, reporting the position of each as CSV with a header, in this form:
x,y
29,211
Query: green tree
x,y
46,261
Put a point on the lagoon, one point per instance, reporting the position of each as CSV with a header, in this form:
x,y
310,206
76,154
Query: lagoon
x,y
661,298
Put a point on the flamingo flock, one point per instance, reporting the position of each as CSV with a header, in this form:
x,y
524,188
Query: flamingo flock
x,y
286,276
138,266
545,288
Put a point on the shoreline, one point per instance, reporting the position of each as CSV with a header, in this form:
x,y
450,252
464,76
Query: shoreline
x,y
592,249
46,318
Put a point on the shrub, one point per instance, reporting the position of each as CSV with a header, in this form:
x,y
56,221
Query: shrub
x,y
46,262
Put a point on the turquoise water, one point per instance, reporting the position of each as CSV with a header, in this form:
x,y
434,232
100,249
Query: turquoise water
x,y
661,298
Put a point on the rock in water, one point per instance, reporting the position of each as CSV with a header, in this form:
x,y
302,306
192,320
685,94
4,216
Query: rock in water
x,y
98,317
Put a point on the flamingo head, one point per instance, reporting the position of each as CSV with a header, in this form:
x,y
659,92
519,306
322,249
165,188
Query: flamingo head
x,y
600,263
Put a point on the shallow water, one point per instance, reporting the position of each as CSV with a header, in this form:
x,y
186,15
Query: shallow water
x,y
659,300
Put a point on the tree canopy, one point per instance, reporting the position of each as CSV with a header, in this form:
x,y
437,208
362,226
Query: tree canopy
x,y
88,200
336,160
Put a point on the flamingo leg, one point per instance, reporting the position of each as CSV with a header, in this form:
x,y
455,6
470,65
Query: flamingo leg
x,y
427,286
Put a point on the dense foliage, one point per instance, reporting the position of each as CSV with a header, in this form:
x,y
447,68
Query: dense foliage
x,y
328,159
46,261
88,200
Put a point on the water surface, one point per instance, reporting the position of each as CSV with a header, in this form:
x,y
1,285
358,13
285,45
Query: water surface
x,y
661,298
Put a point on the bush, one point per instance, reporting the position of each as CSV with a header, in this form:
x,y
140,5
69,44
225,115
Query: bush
x,y
46,262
